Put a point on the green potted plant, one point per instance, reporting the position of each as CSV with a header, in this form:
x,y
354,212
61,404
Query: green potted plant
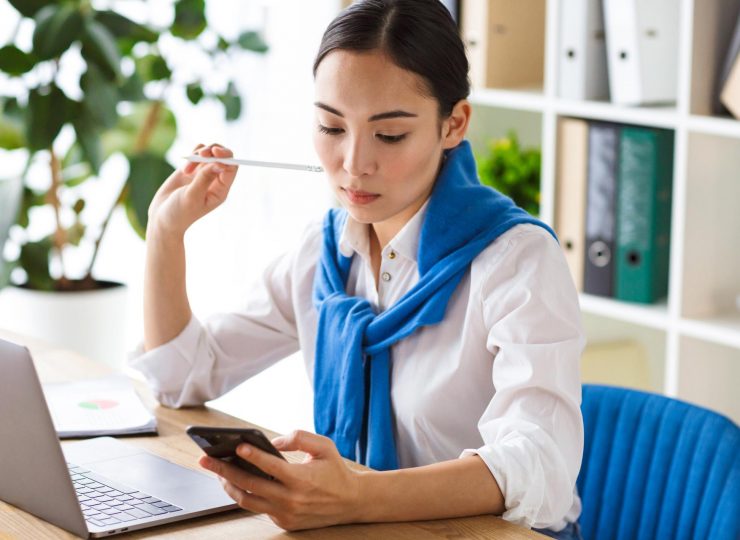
x,y
513,171
120,110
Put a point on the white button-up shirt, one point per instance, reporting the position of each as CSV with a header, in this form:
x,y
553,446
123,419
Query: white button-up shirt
x,y
498,377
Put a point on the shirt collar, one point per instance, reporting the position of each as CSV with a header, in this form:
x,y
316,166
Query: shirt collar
x,y
354,237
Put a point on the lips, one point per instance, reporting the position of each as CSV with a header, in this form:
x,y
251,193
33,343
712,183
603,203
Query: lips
x,y
356,196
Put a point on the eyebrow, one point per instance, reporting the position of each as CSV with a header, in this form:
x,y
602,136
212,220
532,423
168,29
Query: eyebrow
x,y
380,116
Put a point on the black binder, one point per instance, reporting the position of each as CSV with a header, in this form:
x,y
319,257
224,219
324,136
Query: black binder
x,y
603,144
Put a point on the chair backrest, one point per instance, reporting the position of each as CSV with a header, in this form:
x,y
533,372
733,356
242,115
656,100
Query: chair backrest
x,y
655,467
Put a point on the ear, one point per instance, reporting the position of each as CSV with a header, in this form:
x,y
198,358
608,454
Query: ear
x,y
455,126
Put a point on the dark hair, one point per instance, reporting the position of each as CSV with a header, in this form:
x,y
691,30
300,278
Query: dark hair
x,y
417,35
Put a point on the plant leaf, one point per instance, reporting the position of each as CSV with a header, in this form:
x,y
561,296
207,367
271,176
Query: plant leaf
x,y
34,259
14,61
101,98
28,8
146,173
122,138
252,41
232,102
88,138
12,129
99,47
126,32
194,92
29,200
57,27
75,233
47,113
132,89
152,67
190,18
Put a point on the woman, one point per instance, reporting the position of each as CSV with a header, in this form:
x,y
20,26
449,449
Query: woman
x,y
438,322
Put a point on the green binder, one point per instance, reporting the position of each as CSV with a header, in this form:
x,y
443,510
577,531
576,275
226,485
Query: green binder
x,y
645,178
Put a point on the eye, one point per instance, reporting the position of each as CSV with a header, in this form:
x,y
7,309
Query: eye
x,y
330,131
391,139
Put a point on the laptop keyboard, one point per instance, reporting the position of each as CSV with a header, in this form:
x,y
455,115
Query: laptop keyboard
x,y
104,502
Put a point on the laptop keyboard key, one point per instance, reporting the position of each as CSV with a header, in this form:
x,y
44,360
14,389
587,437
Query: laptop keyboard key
x,y
137,513
109,483
171,508
160,504
123,516
153,510
110,520
151,500
95,522
138,495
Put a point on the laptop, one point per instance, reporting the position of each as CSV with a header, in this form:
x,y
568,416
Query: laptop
x,y
91,488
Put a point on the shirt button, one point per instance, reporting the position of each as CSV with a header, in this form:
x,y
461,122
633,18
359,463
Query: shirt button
x,y
385,276
392,254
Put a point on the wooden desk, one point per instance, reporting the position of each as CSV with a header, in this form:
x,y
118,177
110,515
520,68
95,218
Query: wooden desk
x,y
55,365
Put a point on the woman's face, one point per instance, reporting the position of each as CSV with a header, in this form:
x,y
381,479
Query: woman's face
x,y
377,136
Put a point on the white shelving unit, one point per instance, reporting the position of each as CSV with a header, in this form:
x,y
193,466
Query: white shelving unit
x,y
692,340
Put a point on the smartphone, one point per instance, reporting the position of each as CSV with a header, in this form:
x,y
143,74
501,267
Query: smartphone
x,y
221,443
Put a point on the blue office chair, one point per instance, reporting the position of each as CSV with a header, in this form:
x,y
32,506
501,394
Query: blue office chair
x,y
656,467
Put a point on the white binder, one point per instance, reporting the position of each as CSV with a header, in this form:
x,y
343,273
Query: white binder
x,y
582,72
642,50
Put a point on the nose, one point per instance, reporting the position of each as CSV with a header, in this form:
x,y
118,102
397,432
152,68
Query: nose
x,y
359,158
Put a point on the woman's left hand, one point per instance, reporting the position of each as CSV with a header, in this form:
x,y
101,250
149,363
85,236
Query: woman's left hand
x,y
319,492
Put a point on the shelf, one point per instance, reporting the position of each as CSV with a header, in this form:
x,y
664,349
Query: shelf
x,y
664,117
714,125
709,374
722,330
525,100
654,316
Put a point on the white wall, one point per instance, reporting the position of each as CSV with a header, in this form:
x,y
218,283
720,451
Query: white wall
x,y
266,210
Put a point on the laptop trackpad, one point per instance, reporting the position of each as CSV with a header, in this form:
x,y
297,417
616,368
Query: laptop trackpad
x,y
141,470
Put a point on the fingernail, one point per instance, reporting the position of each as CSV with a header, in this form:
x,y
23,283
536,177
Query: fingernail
x,y
245,449
218,169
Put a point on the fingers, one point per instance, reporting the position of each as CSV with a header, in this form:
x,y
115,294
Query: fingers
x,y
198,188
190,166
272,465
260,487
212,150
248,501
311,443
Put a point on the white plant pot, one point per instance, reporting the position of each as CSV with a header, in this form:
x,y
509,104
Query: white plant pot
x,y
92,323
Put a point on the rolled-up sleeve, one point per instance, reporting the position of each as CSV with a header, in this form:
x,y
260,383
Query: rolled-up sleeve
x,y
533,427
209,358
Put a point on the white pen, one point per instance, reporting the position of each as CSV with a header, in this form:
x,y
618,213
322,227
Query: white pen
x,y
253,163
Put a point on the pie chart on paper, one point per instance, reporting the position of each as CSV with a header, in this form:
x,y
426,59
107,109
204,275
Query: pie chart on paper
x,y
98,404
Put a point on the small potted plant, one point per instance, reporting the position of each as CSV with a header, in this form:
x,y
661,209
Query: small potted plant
x,y
513,171
120,111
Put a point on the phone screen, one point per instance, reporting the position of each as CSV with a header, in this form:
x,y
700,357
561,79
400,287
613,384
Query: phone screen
x,y
221,443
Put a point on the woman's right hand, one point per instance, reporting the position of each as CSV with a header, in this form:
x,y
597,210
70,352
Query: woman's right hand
x,y
191,192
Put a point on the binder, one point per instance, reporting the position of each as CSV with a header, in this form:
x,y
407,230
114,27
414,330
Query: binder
x,y
570,197
505,42
598,274
730,96
642,45
643,214
730,60
582,72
